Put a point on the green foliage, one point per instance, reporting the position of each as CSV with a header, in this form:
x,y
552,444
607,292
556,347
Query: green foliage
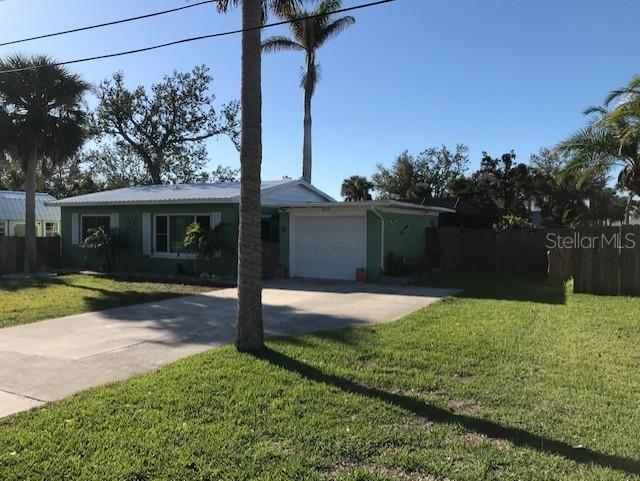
x,y
511,221
107,245
208,244
224,174
610,141
426,176
163,130
356,188
512,380
309,36
42,111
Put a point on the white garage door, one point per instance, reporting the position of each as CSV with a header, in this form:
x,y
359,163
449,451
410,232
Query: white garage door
x,y
331,247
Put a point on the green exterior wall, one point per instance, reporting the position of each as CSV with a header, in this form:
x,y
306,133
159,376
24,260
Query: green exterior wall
x,y
130,229
404,234
374,268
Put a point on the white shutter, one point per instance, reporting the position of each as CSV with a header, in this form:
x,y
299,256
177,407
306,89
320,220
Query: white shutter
x,y
146,233
216,219
75,229
114,222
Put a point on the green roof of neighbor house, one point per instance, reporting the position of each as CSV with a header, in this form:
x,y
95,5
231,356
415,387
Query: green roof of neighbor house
x,y
273,192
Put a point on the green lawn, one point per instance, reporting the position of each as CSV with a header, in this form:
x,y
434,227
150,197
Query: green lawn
x,y
23,300
511,381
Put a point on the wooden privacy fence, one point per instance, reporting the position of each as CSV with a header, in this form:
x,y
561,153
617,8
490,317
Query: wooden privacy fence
x,y
12,254
602,260
519,252
606,260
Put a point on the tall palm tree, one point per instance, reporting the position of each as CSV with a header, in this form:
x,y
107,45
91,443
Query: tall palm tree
x,y
356,188
249,328
308,36
599,148
45,122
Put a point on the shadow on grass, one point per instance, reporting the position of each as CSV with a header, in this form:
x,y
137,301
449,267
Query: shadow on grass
x,y
481,286
493,430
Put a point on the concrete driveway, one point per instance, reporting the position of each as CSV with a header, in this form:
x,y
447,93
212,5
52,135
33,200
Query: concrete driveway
x,y
49,360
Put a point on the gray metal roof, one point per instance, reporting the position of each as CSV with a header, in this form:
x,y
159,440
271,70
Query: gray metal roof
x,y
223,192
371,204
12,206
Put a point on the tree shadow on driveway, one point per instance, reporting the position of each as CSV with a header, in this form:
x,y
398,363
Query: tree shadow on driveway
x,y
517,436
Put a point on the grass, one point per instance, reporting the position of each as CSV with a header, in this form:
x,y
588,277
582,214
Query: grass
x,y
29,300
511,381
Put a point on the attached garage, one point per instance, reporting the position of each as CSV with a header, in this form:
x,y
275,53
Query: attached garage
x,y
332,241
328,246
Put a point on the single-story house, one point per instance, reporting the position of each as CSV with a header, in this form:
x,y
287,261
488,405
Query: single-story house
x,y
304,230
12,214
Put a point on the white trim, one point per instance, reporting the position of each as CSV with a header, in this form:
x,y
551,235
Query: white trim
x,y
75,229
172,255
296,213
147,232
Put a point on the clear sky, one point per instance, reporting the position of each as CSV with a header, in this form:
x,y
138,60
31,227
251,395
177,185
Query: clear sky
x,y
493,74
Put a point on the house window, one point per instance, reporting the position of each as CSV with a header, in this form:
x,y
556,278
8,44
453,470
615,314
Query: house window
x,y
3,228
50,229
170,231
90,223
18,229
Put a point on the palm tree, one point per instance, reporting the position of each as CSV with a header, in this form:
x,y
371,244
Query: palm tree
x,y
600,147
249,328
356,188
45,122
308,36
627,111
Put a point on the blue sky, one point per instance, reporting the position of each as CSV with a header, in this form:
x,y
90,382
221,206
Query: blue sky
x,y
493,74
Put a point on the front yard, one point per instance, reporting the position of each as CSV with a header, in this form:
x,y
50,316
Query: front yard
x,y
511,381
29,300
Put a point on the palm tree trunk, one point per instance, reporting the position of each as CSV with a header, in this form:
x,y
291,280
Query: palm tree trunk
x,y
306,148
30,247
627,210
249,330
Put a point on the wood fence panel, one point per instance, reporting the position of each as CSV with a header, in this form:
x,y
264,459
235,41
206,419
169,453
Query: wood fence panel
x,y
604,260
12,254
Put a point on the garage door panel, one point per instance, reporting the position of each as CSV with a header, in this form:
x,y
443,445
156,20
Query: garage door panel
x,y
330,247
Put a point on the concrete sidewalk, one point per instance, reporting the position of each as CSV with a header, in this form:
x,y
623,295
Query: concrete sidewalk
x,y
49,360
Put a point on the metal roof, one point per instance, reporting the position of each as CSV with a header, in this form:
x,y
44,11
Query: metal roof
x,y
372,204
12,206
222,192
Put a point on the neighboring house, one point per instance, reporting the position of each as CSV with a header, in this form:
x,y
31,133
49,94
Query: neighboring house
x,y
12,214
304,230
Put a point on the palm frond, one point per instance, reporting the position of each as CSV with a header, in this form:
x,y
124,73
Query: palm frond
x,y
280,43
632,88
334,28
